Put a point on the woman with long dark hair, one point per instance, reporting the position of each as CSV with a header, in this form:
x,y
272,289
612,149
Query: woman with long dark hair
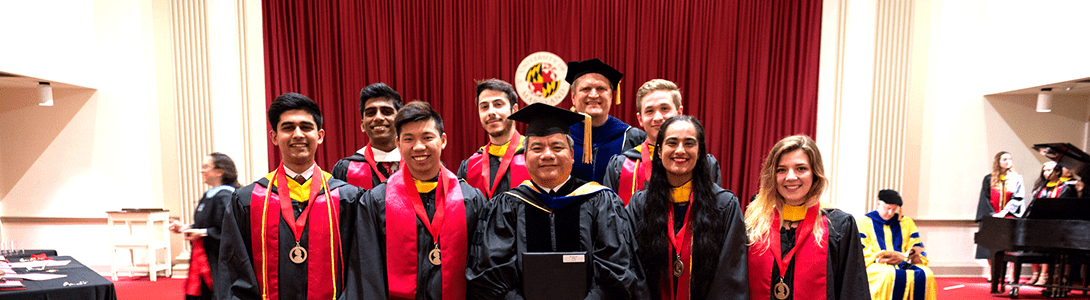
x,y
217,171
689,230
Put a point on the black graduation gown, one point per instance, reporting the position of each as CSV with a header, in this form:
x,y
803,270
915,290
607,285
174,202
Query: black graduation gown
x,y
493,168
612,138
729,280
371,281
616,164
597,223
846,273
209,216
236,279
340,170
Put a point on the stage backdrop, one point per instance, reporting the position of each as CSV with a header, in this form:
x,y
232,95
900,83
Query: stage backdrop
x,y
746,68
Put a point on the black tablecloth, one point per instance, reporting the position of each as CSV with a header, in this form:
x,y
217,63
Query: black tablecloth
x,y
96,286
27,253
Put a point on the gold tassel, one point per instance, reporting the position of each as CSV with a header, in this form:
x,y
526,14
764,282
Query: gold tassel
x,y
587,159
618,100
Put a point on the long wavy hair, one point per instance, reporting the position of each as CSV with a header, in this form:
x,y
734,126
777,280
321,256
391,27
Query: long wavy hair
x,y
768,200
708,228
997,170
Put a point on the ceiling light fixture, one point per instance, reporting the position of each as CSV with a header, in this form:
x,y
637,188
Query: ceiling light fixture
x,y
1044,100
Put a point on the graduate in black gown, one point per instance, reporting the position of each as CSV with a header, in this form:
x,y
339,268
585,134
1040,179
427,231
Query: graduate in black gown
x,y
217,171
628,172
798,248
555,212
504,156
373,163
275,248
692,241
593,83
415,228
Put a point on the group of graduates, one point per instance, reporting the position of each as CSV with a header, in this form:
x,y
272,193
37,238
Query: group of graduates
x,y
392,222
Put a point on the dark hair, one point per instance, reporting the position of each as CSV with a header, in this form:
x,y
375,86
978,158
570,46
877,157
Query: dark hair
x,y
499,86
378,90
293,101
417,111
230,174
708,228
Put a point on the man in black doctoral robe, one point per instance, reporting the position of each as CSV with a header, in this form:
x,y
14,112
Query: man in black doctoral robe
x,y
555,212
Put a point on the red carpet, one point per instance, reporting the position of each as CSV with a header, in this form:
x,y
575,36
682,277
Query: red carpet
x,y
978,288
141,288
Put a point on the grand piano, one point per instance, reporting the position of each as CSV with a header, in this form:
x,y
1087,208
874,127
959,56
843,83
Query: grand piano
x,y
1058,228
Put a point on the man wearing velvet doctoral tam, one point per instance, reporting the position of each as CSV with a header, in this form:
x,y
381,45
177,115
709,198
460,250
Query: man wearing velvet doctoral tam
x,y
593,84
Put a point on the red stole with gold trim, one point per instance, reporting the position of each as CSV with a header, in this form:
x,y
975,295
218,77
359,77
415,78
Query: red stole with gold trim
x,y
324,265
810,260
478,170
681,250
634,174
361,173
401,229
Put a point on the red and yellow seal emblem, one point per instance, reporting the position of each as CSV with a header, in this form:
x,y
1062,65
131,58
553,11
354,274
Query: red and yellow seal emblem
x,y
540,78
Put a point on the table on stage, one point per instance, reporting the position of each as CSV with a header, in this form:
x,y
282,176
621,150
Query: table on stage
x,y
25,254
81,283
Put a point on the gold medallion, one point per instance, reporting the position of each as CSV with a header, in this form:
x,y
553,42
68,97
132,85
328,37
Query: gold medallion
x,y
679,266
433,256
781,290
298,254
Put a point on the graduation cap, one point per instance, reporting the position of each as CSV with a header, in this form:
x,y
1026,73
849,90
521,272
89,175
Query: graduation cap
x,y
543,120
594,65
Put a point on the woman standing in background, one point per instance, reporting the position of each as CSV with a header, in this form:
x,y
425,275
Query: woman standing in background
x,y
1002,186
218,171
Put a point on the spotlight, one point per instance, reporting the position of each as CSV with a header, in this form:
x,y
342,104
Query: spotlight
x,y
45,94
1044,100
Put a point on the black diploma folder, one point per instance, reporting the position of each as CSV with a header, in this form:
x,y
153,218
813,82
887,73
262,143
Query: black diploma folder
x,y
555,275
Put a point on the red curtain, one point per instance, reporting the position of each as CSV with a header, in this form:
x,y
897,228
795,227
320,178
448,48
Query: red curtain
x,y
746,68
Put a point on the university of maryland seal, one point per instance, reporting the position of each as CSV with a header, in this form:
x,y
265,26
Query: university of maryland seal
x,y
540,78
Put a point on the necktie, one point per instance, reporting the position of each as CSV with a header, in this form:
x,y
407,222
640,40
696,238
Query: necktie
x,y
299,178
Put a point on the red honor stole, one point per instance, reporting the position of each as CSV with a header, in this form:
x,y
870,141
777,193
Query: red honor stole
x,y
403,208
811,260
360,174
634,174
681,246
199,270
478,173
323,259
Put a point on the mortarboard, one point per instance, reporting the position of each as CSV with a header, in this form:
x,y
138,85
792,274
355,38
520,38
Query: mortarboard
x,y
594,65
542,120
890,197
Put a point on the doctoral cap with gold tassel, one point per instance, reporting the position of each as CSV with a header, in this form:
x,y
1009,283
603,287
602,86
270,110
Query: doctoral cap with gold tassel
x,y
577,69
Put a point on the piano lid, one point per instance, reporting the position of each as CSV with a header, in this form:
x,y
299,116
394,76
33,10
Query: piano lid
x,y
1065,155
